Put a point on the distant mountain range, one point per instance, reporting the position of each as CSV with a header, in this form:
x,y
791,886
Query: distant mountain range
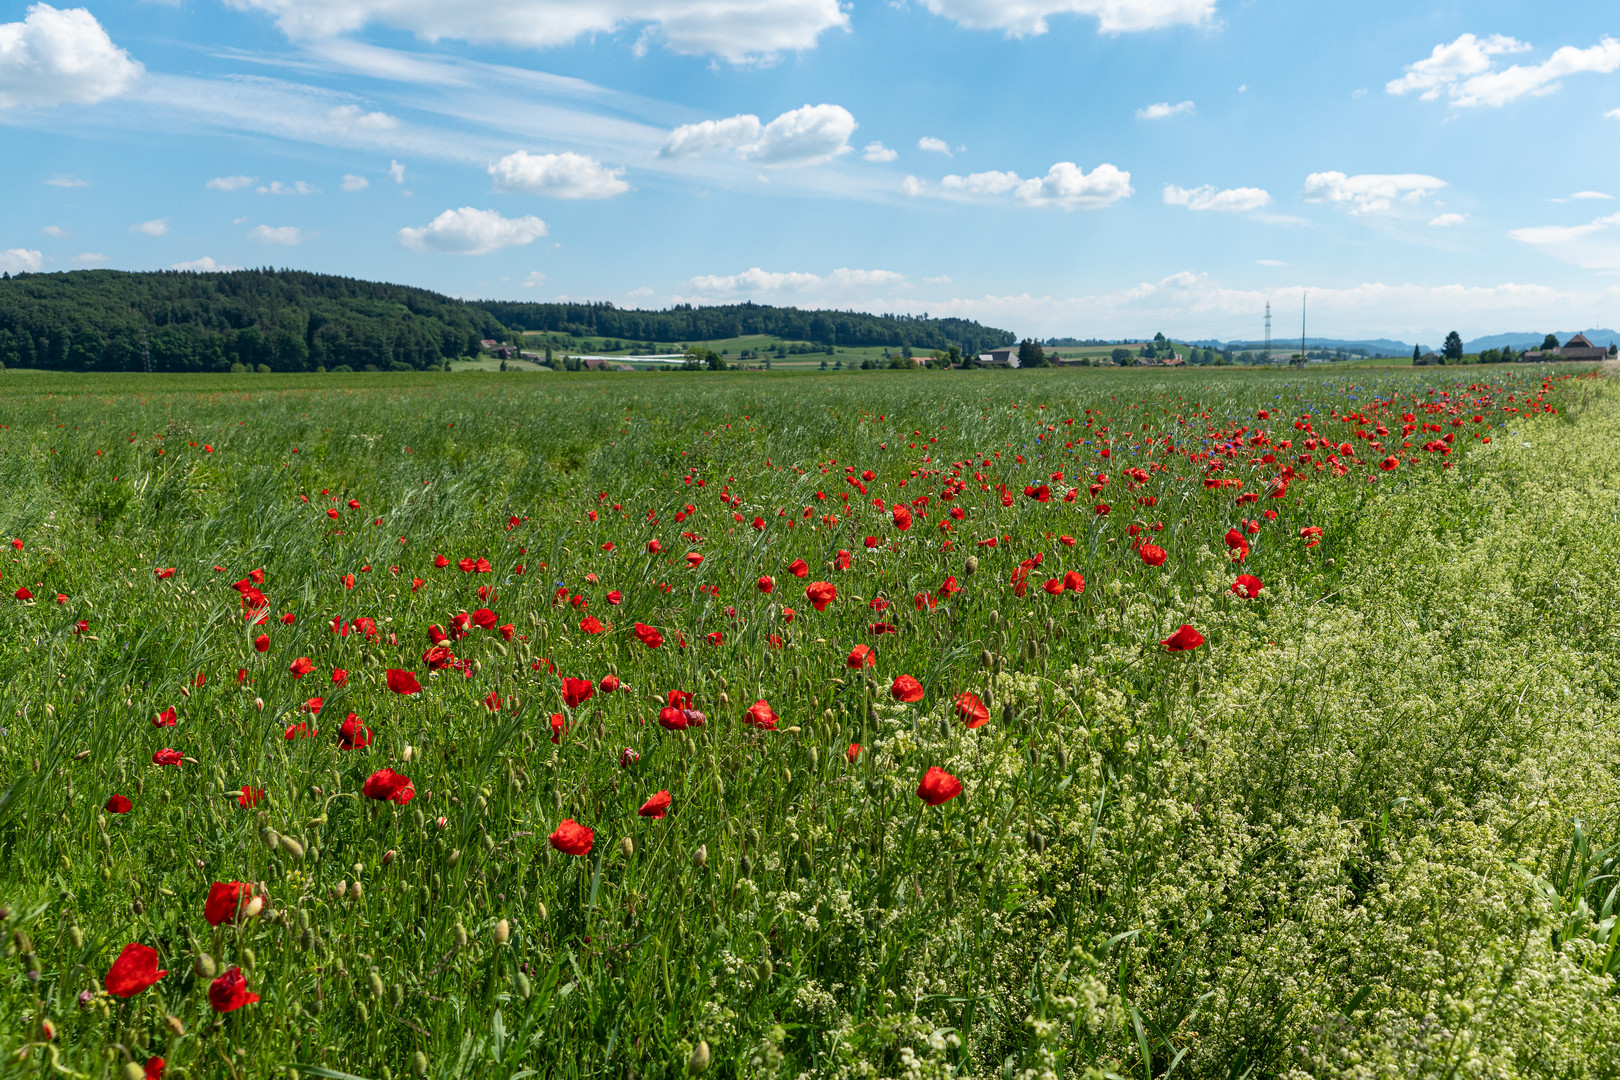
x,y
1389,347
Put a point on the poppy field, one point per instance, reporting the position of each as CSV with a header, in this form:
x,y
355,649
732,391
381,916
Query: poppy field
x,y
1234,724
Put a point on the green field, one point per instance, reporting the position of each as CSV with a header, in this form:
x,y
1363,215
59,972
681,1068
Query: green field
x,y
1362,823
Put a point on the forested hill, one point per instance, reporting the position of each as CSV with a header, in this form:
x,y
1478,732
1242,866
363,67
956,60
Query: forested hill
x,y
288,320
685,323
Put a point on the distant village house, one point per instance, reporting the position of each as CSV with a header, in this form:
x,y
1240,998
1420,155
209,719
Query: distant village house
x,y
1576,348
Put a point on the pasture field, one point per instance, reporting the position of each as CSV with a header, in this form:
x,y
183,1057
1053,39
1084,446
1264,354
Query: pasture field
x,y
1221,724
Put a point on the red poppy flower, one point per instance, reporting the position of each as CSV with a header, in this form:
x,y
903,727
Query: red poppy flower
x,y
853,752
301,667
648,636
312,706
1152,554
1247,586
484,619
353,735
971,710
655,807
693,560
906,689
615,597
1053,586
492,701
287,618
403,682
1074,581
559,727
229,901
878,629
591,625
1239,545
761,715
766,584
799,568
299,731
654,547
167,718
165,573
679,699
250,797
229,992
938,786
716,638
117,804
572,838
673,719
820,594
609,683
861,656
168,757
23,594
339,676
576,692
388,785
154,1068
262,643
901,516
134,970
438,658
1185,639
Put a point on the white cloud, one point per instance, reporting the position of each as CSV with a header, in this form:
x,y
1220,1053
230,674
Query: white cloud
x,y
396,170
1612,114
1272,262
740,31
1465,72
204,265
155,227
876,151
1591,195
1164,110
284,235
58,57
934,146
1020,18
561,176
1208,198
21,261
354,119
808,135
89,259
297,187
1447,220
230,183
354,182
534,280
756,280
1370,193
469,231
56,232
67,182
1065,186
1593,246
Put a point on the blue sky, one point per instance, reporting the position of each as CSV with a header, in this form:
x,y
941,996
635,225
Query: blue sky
x,y
1087,167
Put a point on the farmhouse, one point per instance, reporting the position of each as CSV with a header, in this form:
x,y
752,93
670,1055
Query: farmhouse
x,y
999,358
1576,348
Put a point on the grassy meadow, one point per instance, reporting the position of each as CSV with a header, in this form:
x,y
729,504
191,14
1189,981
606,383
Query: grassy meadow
x,y
1030,724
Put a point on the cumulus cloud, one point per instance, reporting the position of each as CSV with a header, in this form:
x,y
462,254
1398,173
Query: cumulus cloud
x,y
1370,193
1065,186
297,187
204,265
354,182
469,231
230,183
55,232
808,135
283,235
1593,246
756,280
21,261
1164,110
876,151
739,31
534,280
155,227
1445,221
1465,72
58,57
561,176
1021,18
353,118
1208,198
396,170
934,146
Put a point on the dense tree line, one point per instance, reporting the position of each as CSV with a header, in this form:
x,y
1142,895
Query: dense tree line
x,y
289,320
108,320
686,323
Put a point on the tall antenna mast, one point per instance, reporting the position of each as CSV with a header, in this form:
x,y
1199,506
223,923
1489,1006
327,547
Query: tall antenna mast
x,y
1302,296
1268,331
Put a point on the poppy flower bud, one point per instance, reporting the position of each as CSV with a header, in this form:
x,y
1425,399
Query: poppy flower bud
x,y
293,848
971,567
521,982
409,753
355,891
540,912
699,1061
389,856
134,1071
700,857
503,932
175,1025
258,703
419,1062
461,936
455,857
627,847
205,966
